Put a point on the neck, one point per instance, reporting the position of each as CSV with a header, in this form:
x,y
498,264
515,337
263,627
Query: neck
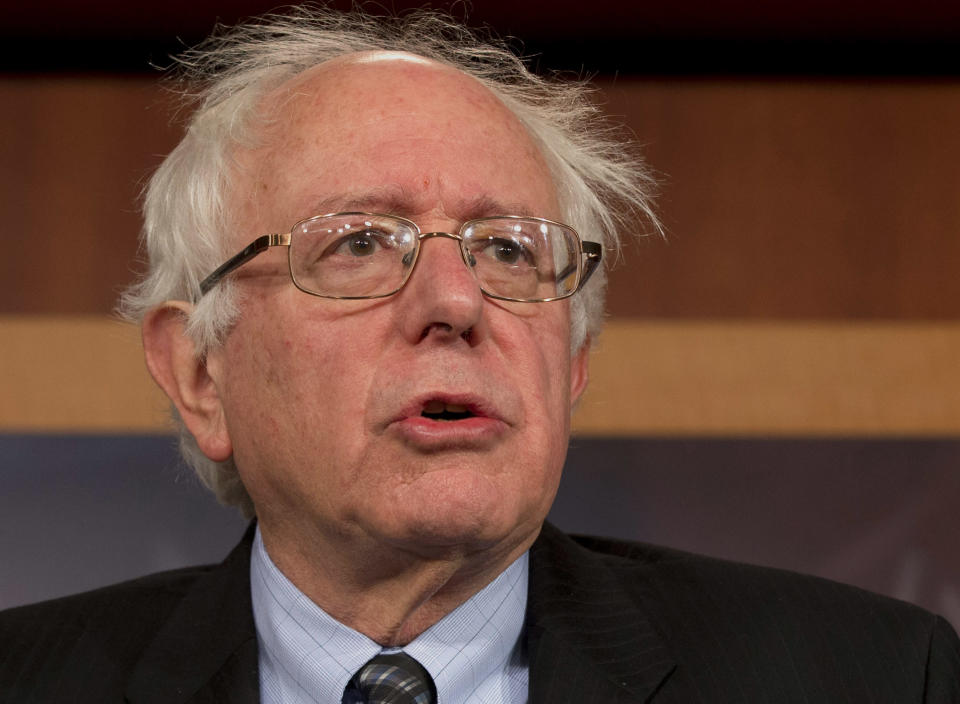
x,y
389,594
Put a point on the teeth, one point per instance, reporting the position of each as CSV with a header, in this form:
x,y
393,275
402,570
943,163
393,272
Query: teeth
x,y
444,411
434,407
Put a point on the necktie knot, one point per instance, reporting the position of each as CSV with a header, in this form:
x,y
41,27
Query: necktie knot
x,y
394,678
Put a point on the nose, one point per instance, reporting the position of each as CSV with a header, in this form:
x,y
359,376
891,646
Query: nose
x,y
442,298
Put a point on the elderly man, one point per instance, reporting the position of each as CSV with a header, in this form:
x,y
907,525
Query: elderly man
x,y
385,382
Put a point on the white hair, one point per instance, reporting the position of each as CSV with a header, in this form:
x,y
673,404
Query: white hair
x,y
602,184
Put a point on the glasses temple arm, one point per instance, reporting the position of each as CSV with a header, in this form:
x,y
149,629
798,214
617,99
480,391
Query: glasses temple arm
x,y
259,245
594,253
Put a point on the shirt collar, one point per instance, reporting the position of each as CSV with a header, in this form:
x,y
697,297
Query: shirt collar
x,y
307,655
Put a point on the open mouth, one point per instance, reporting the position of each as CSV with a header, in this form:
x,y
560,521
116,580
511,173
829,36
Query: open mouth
x,y
438,410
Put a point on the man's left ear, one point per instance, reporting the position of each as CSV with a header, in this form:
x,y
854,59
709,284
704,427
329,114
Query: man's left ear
x,y
579,371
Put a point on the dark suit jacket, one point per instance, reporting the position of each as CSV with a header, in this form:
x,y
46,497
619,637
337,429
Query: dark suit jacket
x,y
607,621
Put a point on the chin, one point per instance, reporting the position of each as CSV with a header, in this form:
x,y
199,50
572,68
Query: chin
x,y
451,528
460,506
465,527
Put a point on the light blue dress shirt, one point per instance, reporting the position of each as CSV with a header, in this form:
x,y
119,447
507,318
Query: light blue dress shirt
x,y
474,654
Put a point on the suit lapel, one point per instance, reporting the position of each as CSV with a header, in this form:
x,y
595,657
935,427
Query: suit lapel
x,y
207,650
588,637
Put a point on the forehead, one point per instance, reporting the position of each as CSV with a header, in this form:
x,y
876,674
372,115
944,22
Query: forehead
x,y
396,128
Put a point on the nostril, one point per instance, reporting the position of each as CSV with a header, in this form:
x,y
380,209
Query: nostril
x,y
438,328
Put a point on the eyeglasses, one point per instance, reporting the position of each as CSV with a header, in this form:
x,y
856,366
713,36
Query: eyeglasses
x,y
364,255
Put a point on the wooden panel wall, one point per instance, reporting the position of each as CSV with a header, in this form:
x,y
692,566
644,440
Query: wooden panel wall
x,y
799,199
795,199
76,152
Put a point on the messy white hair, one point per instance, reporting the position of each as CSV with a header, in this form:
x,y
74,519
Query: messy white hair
x,y
602,185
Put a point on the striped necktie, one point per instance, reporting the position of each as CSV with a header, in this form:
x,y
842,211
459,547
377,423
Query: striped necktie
x,y
391,678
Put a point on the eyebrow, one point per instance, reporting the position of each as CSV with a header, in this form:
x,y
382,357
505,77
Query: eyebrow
x,y
386,198
483,206
394,200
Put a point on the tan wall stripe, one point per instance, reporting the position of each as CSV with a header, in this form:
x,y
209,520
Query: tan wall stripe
x,y
758,378
86,374
75,374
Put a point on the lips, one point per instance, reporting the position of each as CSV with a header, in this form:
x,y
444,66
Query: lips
x,y
446,421
446,407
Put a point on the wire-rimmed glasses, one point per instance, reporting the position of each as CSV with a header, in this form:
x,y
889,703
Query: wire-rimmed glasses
x,y
366,255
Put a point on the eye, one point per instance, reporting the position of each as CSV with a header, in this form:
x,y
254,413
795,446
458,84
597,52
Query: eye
x,y
359,244
506,252
510,252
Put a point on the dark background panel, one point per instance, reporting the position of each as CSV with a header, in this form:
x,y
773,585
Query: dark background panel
x,y
880,514
78,512
889,37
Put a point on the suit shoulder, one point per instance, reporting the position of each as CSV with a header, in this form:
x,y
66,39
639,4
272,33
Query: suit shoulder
x,y
630,550
742,603
721,615
669,570
149,593
101,632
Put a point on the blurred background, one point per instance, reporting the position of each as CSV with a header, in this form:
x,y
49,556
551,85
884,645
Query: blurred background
x,y
779,381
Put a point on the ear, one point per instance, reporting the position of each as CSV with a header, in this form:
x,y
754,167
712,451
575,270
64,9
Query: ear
x,y
579,372
174,364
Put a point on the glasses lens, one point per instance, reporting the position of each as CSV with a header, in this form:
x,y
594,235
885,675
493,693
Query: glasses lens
x,y
352,255
524,258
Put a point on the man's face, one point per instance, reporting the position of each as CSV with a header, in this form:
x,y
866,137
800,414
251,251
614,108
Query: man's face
x,y
324,398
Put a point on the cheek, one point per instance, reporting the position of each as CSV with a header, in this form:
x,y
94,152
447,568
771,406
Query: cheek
x,y
543,342
321,375
281,377
555,383
255,392
535,344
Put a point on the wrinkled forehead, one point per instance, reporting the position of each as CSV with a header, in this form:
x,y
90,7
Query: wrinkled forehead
x,y
365,108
